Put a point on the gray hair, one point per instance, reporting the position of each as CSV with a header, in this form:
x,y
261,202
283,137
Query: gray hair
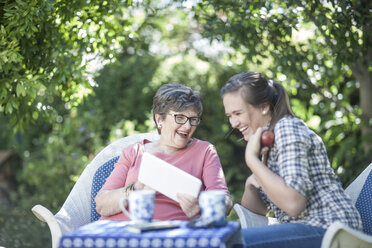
x,y
176,97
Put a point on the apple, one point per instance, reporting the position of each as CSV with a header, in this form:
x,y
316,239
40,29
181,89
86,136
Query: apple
x,y
267,138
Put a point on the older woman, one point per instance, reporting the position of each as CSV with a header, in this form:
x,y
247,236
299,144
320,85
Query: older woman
x,y
296,180
176,112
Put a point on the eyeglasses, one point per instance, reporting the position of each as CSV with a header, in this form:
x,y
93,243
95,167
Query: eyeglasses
x,y
182,119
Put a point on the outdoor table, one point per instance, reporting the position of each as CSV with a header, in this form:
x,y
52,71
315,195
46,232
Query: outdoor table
x,y
108,233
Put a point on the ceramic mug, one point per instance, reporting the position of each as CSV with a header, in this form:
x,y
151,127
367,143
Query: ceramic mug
x,y
141,205
213,207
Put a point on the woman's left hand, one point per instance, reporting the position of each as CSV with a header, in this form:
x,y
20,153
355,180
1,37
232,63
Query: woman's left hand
x,y
189,204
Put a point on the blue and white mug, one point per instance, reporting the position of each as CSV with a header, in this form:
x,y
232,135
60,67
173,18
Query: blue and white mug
x,y
213,207
141,205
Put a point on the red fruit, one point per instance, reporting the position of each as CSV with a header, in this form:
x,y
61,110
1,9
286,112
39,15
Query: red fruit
x,y
267,138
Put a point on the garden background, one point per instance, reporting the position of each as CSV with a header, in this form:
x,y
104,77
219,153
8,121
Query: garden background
x,y
77,75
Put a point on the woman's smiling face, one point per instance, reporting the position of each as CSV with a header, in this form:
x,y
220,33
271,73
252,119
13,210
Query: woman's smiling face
x,y
244,116
173,135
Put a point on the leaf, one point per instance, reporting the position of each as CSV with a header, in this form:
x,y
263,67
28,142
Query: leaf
x,y
20,90
34,28
35,115
21,3
8,108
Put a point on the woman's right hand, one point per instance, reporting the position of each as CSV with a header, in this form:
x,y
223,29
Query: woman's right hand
x,y
140,186
252,150
107,201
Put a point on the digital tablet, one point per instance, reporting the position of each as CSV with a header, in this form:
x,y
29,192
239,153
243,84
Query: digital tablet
x,y
151,226
166,178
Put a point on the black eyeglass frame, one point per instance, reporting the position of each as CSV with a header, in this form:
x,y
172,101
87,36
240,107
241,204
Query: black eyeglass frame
x,y
190,119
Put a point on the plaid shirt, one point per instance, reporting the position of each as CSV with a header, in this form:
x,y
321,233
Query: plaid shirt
x,y
299,157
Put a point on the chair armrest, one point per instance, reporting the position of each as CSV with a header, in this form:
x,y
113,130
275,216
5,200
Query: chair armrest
x,y
43,214
353,190
341,236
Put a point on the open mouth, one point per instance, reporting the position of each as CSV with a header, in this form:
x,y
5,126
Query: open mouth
x,y
182,134
243,129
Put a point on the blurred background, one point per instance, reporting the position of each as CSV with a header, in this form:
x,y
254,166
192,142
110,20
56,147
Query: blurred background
x,y
77,75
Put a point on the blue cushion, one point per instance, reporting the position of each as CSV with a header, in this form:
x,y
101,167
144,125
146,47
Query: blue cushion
x,y
99,179
364,204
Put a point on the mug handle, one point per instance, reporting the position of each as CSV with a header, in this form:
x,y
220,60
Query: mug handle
x,y
121,205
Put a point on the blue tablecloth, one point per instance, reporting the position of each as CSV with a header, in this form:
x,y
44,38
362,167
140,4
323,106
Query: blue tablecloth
x,y
106,233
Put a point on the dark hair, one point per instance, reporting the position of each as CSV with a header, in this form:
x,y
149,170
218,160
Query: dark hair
x,y
257,90
176,97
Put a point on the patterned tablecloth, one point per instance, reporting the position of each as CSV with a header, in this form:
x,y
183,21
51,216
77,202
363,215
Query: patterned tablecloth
x,y
106,233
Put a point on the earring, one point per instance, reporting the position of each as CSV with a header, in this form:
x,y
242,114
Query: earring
x,y
159,125
264,112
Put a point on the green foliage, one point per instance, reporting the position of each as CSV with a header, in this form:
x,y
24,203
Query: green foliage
x,y
60,157
63,119
313,48
123,93
43,46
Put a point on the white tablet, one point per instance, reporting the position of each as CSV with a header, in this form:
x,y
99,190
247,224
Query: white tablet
x,y
166,178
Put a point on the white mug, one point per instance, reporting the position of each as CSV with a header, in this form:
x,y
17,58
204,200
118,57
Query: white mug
x,y
141,205
213,207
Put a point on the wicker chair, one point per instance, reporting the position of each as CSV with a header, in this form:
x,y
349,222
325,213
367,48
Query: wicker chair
x,y
79,207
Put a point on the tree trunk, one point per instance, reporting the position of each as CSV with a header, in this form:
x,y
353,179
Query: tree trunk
x,y
364,77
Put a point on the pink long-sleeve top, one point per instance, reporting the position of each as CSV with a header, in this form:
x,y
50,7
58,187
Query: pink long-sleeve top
x,y
200,159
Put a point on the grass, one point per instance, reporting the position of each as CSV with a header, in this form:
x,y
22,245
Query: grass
x,y
19,227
